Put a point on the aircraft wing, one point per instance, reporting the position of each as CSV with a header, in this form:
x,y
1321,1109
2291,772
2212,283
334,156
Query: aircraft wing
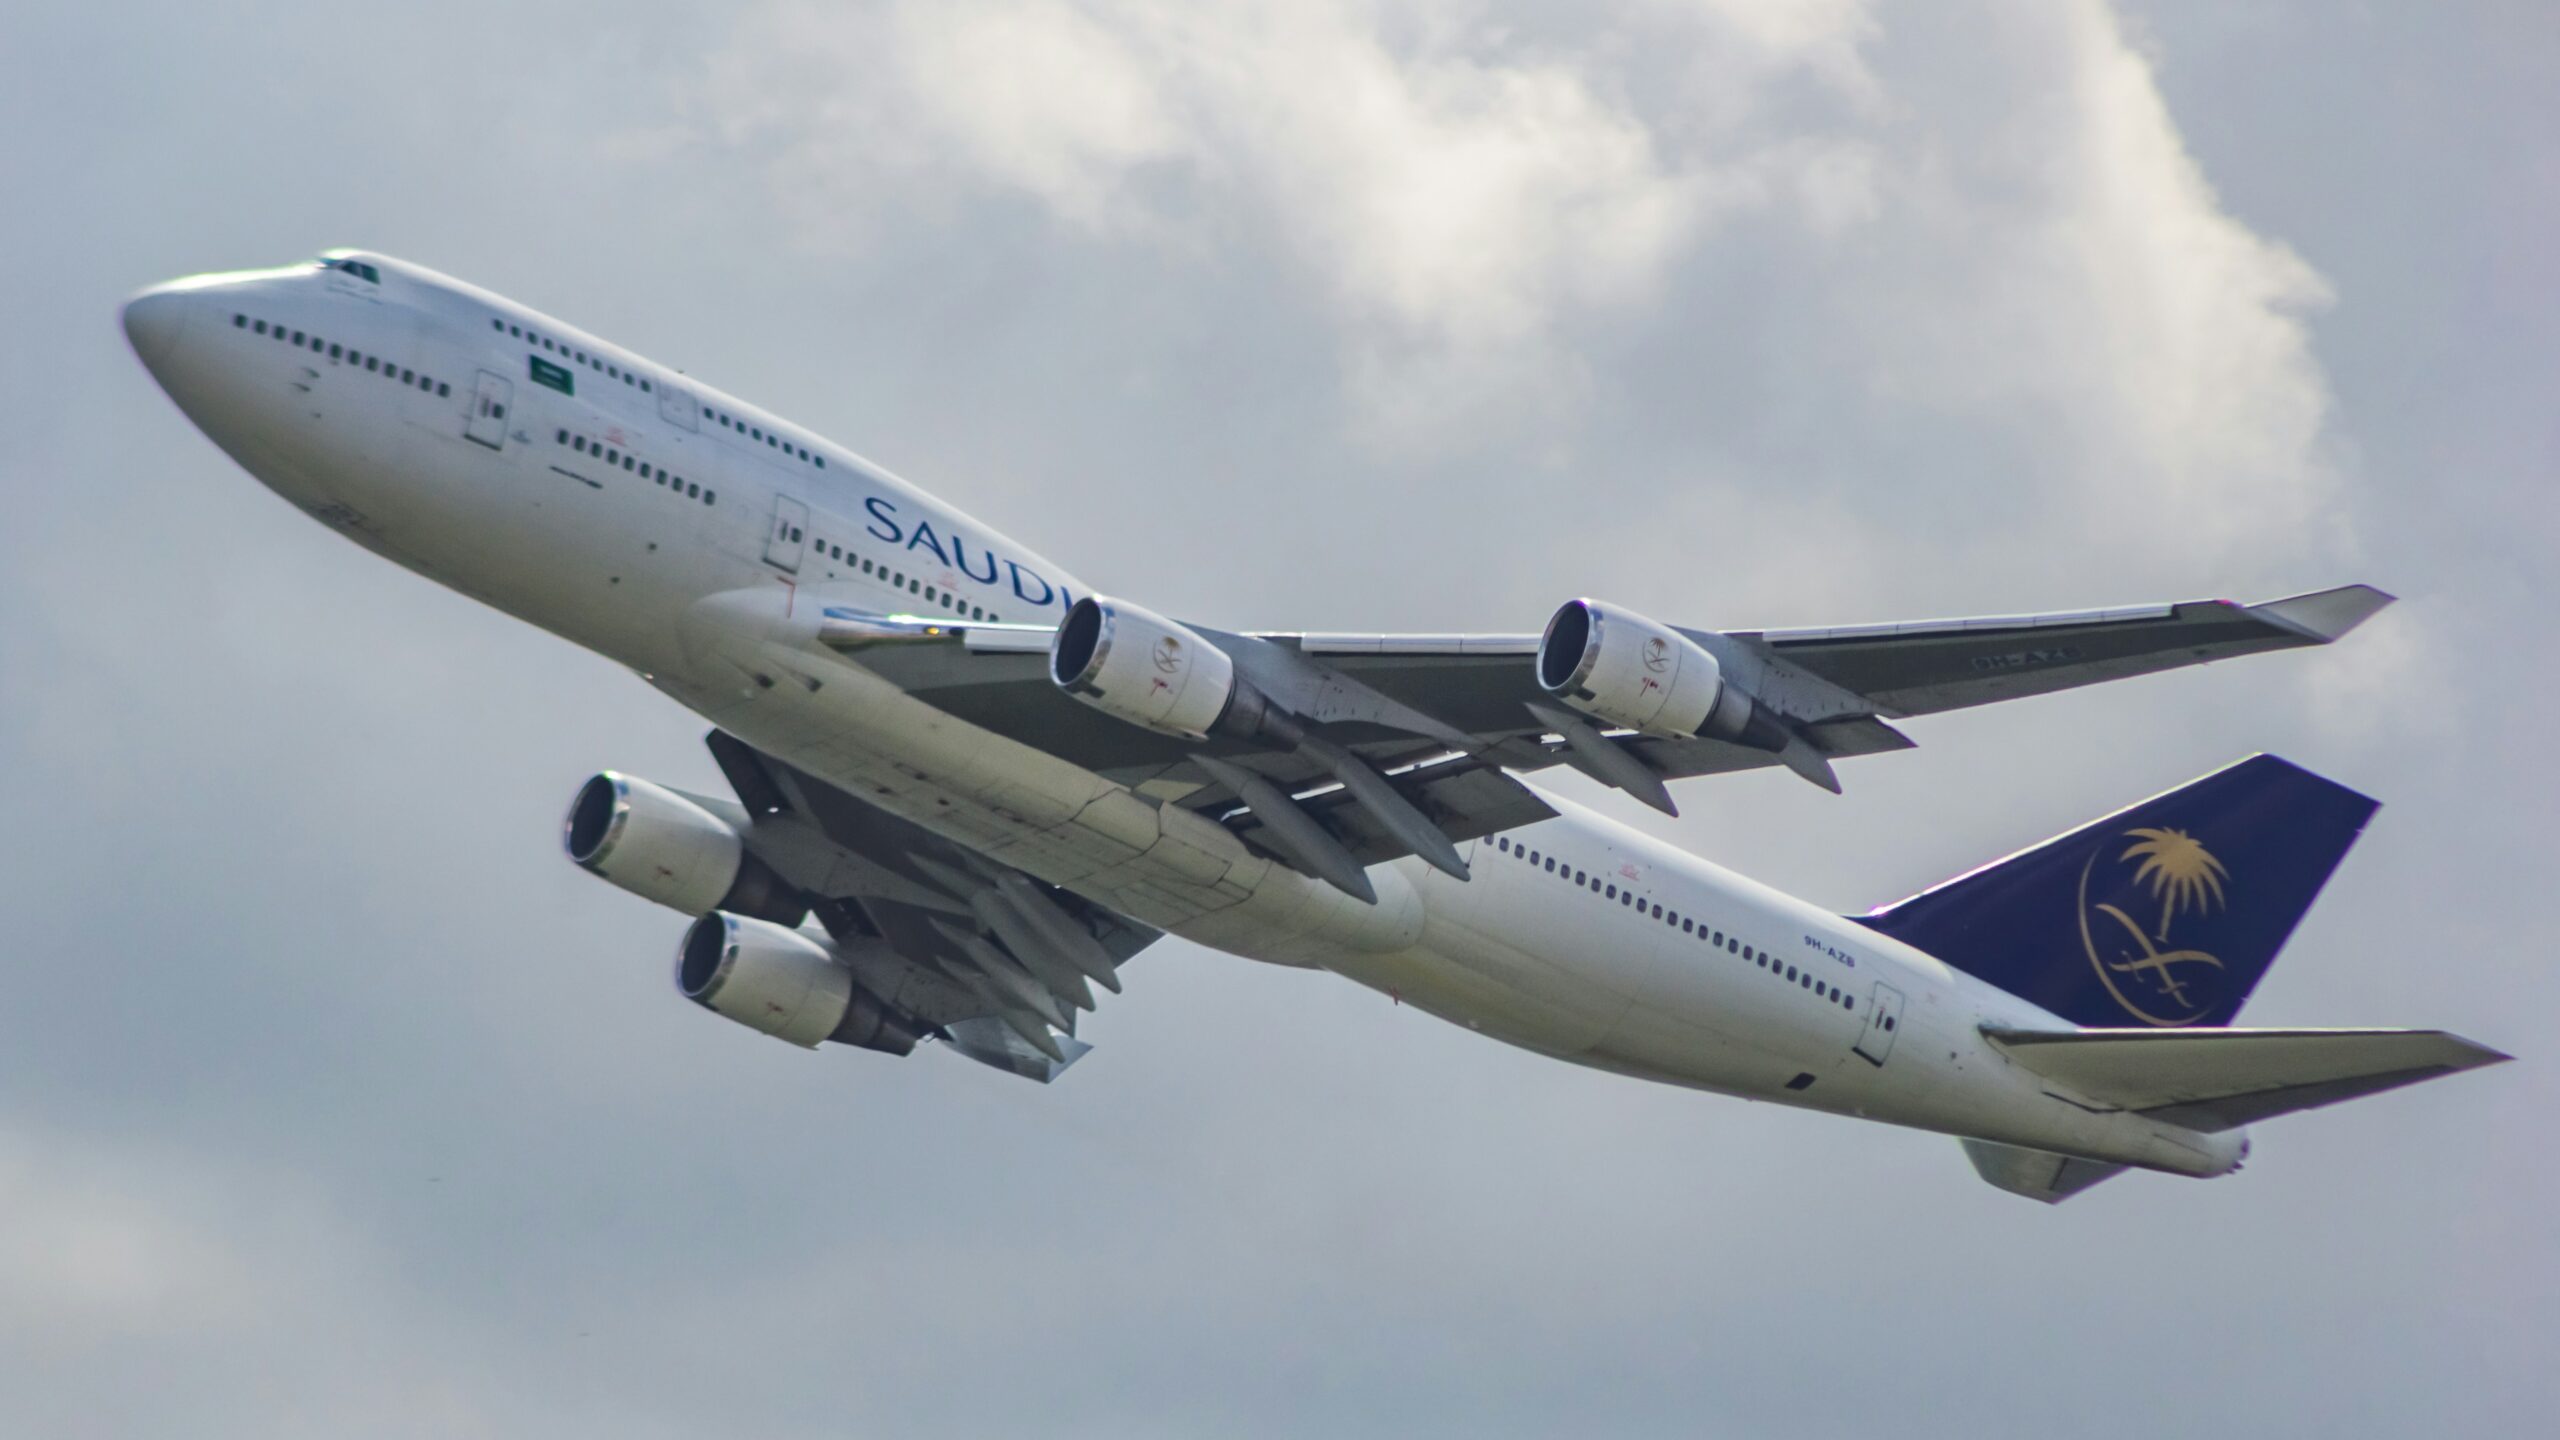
x,y
999,962
1931,665
1442,723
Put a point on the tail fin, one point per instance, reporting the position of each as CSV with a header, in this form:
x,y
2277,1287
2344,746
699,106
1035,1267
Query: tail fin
x,y
2165,914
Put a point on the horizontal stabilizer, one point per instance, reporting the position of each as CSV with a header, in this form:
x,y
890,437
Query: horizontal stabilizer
x,y
2036,1174
2223,1079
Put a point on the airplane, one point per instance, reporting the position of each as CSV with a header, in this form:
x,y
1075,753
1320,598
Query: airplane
x,y
966,789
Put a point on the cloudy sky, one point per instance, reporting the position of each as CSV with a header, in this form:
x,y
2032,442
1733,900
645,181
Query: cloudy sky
x,y
333,1101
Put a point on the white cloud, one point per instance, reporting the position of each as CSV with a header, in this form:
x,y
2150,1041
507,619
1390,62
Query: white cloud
x,y
2013,239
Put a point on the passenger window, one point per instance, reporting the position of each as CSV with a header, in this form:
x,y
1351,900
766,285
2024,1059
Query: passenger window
x,y
443,389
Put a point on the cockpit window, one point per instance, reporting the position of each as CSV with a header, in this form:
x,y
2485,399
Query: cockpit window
x,y
357,268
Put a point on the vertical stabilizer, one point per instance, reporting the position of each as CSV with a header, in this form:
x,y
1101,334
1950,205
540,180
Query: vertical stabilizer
x,y
2165,914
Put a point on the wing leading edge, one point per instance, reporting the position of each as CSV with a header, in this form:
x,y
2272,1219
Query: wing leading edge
x,y
1446,720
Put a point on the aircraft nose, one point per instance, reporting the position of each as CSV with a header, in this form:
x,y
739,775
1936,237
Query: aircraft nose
x,y
152,323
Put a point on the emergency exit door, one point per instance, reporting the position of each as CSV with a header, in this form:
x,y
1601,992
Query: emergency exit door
x,y
789,536
1884,1021
489,402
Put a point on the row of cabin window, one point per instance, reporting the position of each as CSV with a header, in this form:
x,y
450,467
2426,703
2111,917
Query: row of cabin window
x,y
596,363
654,474
373,364
772,441
628,377
898,579
1803,979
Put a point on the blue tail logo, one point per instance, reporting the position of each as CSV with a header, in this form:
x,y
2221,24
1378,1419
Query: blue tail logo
x,y
2175,907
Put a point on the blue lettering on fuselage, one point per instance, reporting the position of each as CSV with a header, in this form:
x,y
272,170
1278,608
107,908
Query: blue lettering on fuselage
x,y
881,525
925,537
884,526
1020,575
960,557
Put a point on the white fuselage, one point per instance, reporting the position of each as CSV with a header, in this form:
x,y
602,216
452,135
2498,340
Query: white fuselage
x,y
657,521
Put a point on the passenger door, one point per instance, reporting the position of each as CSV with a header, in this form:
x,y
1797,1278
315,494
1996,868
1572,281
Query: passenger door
x,y
789,536
1884,1021
678,407
489,402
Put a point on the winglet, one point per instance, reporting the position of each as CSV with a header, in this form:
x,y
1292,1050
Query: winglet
x,y
2323,615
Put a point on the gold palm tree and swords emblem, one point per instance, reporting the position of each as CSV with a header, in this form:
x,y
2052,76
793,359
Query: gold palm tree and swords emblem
x,y
2184,878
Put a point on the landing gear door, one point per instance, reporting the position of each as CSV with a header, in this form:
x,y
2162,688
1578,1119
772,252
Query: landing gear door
x,y
489,402
784,543
1884,1021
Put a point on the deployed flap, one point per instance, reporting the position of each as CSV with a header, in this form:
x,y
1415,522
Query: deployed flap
x,y
2036,1174
2223,1079
1015,953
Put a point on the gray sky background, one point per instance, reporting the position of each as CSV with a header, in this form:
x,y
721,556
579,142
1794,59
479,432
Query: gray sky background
x,y
333,1101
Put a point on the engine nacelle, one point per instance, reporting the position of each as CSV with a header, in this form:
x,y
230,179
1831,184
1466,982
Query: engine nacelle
x,y
1627,670
661,846
765,977
1135,665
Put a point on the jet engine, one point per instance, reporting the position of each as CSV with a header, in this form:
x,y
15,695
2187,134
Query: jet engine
x,y
785,983
666,847
1135,665
1632,672
764,977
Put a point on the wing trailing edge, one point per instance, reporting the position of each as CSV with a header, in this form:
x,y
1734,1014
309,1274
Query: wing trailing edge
x,y
2221,1079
